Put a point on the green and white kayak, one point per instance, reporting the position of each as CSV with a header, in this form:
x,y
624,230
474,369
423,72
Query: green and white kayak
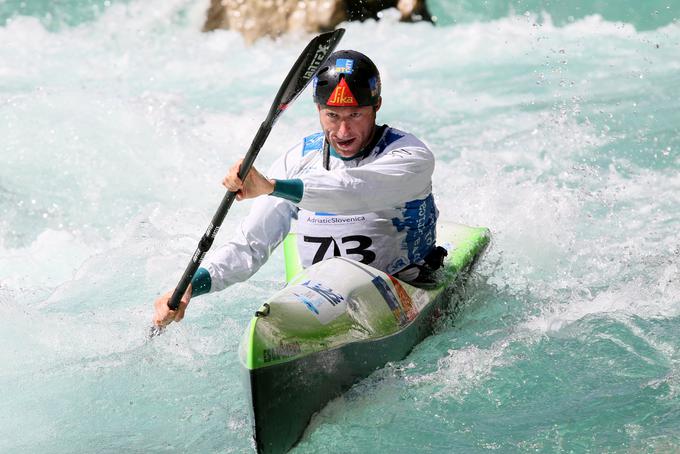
x,y
335,323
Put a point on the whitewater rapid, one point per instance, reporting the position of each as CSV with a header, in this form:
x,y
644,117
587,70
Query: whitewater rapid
x,y
562,139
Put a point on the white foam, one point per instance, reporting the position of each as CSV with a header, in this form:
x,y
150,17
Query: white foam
x,y
465,369
49,260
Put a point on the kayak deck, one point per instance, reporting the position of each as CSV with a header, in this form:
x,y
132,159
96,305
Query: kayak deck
x,y
334,324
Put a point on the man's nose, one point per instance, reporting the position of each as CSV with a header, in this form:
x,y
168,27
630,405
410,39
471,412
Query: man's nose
x,y
343,128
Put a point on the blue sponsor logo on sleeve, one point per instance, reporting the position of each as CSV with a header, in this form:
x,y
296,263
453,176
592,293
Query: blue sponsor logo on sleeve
x,y
312,143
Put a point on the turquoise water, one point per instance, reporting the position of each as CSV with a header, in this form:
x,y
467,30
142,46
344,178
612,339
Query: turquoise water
x,y
556,127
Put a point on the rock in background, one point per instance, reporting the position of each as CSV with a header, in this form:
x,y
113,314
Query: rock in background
x,y
257,18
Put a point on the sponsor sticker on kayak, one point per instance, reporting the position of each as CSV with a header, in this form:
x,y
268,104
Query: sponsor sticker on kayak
x,y
323,302
391,300
404,299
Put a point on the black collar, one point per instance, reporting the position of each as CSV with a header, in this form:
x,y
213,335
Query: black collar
x,y
377,135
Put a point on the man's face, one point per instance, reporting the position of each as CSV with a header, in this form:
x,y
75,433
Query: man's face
x,y
348,129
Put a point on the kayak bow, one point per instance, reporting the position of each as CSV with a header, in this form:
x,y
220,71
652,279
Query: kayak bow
x,y
333,325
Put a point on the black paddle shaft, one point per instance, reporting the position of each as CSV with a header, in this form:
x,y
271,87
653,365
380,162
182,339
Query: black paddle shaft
x,y
302,72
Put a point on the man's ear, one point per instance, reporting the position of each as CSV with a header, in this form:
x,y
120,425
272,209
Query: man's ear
x,y
377,106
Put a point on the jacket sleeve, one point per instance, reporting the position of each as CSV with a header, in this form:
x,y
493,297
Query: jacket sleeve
x,y
399,175
259,234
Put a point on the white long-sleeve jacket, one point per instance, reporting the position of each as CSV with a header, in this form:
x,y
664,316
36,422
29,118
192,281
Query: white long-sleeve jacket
x,y
376,208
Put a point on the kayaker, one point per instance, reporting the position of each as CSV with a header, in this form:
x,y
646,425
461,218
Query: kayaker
x,y
357,190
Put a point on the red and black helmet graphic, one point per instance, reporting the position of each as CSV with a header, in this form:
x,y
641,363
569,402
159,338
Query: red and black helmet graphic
x,y
347,78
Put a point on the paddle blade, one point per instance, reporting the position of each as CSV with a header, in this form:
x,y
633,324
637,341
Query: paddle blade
x,y
304,70
155,330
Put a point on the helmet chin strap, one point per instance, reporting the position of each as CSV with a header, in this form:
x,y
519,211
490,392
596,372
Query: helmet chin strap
x,y
326,153
368,146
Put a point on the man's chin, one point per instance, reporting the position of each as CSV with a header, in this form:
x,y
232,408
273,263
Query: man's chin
x,y
347,153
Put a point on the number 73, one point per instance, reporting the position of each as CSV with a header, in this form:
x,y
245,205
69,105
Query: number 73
x,y
325,242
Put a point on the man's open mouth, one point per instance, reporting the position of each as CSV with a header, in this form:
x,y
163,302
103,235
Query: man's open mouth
x,y
345,143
